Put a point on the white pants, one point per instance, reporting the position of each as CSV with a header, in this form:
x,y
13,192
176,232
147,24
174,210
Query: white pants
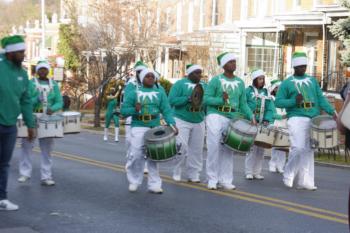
x,y
127,134
301,157
191,137
278,159
136,161
220,159
25,162
254,160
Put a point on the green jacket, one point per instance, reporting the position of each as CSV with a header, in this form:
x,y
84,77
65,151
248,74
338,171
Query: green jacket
x,y
254,103
237,97
311,91
153,102
54,98
131,85
14,95
179,97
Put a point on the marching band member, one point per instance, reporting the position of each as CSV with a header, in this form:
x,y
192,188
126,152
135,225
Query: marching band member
x,y
190,122
278,157
225,98
130,87
145,105
302,98
15,99
112,103
41,87
259,102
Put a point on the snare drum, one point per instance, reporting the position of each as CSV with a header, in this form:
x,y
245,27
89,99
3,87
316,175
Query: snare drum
x,y
324,132
71,122
160,143
50,126
282,138
265,136
240,135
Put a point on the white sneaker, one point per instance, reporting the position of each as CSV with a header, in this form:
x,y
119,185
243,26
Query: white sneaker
x,y
272,169
7,205
105,138
258,177
177,178
249,176
280,171
48,182
228,186
212,186
196,180
288,182
116,139
23,179
133,187
145,170
307,187
156,190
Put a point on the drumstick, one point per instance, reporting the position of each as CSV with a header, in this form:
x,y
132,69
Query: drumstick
x,y
173,128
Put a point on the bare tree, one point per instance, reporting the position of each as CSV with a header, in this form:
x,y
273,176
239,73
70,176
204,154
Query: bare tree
x,y
113,34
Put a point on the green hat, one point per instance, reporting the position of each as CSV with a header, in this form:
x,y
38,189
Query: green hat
x,y
13,43
42,64
224,58
275,83
192,67
299,59
257,73
139,65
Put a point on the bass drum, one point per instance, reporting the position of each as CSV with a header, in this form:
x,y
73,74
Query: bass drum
x,y
240,135
160,143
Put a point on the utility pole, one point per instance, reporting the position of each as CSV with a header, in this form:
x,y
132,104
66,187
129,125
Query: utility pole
x,y
42,28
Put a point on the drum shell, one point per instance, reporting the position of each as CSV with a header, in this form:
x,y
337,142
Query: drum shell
x,y
50,127
237,140
71,122
345,117
281,138
265,137
162,148
323,138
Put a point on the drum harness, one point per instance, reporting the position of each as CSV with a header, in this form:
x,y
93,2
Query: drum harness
x,y
44,92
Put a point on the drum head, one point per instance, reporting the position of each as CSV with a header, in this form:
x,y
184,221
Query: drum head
x,y
324,122
244,126
46,118
197,96
69,113
159,133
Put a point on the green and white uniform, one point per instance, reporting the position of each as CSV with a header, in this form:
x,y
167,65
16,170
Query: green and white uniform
x,y
153,103
191,125
111,107
255,158
301,156
55,104
219,165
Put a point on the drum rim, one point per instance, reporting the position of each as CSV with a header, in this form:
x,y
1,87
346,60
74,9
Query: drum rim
x,y
240,119
316,127
155,140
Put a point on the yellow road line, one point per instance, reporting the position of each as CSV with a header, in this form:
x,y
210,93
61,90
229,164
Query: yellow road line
x,y
235,191
233,194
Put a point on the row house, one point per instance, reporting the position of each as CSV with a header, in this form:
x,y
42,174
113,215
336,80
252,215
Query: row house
x,y
262,33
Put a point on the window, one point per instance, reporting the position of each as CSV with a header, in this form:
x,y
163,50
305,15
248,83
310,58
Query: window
x,y
261,51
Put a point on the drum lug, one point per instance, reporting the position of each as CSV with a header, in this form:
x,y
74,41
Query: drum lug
x,y
178,148
314,143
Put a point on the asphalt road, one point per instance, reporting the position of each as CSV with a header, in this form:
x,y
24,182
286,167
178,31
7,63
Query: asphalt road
x,y
91,195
